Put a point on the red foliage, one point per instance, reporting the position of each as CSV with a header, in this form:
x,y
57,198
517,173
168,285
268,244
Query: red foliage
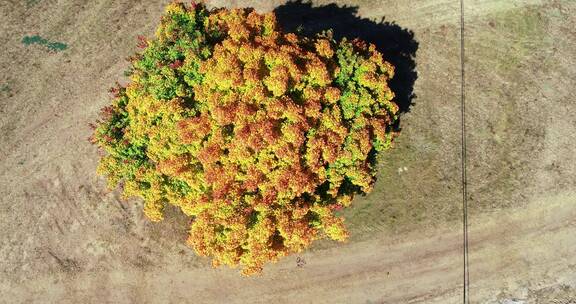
x,y
142,42
176,64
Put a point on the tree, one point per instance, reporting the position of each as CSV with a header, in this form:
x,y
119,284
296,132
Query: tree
x,y
258,135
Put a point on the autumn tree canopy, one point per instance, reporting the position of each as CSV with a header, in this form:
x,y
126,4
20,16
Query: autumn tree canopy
x,y
258,135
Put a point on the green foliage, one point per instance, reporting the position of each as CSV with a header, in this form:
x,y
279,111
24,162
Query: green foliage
x,y
53,46
257,135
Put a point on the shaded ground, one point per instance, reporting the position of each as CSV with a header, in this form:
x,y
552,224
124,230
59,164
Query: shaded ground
x,y
65,239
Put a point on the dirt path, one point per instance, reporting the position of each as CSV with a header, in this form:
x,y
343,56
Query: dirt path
x,y
426,269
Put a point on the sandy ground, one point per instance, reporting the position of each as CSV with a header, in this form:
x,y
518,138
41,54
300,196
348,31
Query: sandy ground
x,y
65,239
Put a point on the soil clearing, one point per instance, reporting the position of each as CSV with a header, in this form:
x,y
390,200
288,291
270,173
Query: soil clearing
x,y
65,238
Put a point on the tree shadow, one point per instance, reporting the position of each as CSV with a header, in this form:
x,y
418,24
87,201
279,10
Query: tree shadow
x,y
397,44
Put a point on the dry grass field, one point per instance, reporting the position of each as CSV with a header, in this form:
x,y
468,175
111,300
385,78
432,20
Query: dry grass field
x,y
65,239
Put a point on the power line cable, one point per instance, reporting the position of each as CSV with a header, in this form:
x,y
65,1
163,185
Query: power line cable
x,y
466,273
